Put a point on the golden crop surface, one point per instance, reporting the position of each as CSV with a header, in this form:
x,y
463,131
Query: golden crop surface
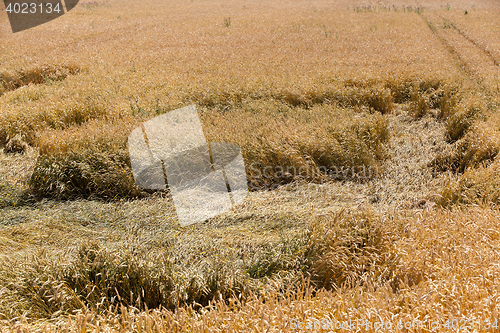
x,y
381,118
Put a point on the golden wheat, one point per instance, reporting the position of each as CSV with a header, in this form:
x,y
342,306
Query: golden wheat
x,y
305,86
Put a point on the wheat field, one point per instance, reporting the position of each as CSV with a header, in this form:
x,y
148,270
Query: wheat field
x,y
397,100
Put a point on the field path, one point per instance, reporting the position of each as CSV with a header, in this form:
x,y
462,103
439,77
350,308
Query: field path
x,y
472,57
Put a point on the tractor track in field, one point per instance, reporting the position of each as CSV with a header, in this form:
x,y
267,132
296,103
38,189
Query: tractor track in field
x,y
472,40
474,59
457,57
